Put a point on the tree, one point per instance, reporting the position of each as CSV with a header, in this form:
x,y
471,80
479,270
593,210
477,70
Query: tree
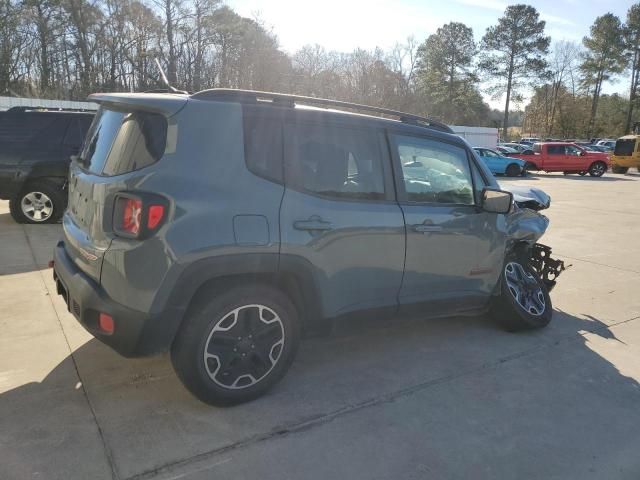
x,y
444,72
513,52
632,45
604,57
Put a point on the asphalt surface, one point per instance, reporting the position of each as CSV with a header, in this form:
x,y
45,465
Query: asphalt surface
x,y
379,399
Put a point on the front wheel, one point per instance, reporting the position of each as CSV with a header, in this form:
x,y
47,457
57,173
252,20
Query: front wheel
x,y
236,346
524,302
597,169
617,169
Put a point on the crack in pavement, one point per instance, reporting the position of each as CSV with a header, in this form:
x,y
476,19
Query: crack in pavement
x,y
106,449
597,263
322,419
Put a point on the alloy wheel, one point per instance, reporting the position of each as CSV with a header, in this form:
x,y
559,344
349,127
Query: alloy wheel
x,y
525,289
36,206
244,346
598,169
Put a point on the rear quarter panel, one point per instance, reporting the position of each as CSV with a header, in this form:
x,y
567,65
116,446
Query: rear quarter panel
x,y
210,190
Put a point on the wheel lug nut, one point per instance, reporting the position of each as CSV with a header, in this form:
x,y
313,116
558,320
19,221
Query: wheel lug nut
x,y
253,346
244,354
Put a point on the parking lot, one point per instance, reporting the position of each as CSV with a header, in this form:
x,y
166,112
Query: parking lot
x,y
383,399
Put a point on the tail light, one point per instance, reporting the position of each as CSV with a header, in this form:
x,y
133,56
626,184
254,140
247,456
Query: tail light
x,y
138,215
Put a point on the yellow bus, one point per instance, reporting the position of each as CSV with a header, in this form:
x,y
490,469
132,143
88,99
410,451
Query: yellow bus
x,y
626,154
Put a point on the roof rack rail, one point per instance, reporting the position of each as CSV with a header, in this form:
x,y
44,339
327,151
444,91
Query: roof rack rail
x,y
287,100
49,109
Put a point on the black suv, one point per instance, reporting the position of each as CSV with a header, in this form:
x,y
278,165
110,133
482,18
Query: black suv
x,y
216,225
36,145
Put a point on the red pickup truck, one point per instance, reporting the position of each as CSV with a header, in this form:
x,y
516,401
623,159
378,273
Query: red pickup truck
x,y
565,157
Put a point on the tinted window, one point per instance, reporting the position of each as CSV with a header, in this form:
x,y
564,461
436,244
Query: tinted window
x,y
263,142
120,142
338,162
555,149
625,147
22,126
434,171
76,131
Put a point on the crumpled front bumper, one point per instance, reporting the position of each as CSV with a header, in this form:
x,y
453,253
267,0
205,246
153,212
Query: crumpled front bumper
x,y
547,267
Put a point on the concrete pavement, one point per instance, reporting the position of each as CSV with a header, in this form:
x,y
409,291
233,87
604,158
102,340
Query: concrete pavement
x,y
403,398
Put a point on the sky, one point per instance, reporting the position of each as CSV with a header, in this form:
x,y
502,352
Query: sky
x,y
344,25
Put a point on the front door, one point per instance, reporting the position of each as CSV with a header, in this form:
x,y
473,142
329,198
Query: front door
x,y
339,218
451,247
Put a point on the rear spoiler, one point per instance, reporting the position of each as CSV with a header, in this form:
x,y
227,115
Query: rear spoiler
x,y
164,103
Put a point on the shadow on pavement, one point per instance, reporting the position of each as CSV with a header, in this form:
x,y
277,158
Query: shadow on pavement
x,y
493,405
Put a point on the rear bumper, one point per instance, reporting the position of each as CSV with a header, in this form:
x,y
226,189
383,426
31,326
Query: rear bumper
x,y
136,333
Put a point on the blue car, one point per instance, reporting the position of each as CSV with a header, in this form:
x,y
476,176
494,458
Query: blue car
x,y
499,164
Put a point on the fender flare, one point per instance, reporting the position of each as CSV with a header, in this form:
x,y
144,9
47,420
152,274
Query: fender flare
x,y
291,273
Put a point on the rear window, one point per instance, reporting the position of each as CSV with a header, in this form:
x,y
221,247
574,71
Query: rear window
x,y
625,147
120,142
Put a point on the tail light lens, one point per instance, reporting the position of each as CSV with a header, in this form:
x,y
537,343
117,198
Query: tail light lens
x,y
138,215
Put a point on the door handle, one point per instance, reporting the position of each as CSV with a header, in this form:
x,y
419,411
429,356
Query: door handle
x,y
314,223
422,228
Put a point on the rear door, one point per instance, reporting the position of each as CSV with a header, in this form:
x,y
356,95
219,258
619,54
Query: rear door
x,y
554,158
339,218
451,243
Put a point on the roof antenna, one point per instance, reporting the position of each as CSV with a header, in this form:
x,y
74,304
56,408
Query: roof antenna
x,y
166,81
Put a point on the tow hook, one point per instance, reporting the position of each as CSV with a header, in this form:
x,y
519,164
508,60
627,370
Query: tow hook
x,y
547,267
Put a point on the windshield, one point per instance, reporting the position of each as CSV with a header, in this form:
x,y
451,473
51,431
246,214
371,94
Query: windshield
x,y
119,142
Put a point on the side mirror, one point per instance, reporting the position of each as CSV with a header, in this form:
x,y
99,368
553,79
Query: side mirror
x,y
582,153
496,201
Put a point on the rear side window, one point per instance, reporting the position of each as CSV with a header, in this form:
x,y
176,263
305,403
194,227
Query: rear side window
x,y
555,149
336,162
76,131
23,126
263,148
121,142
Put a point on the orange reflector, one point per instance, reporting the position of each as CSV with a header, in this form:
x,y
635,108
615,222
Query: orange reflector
x,y
106,324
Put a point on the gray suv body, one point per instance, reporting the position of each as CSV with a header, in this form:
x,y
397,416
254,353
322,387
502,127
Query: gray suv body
x,y
216,225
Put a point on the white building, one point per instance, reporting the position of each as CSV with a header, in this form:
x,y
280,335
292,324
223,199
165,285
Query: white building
x,y
7,102
477,136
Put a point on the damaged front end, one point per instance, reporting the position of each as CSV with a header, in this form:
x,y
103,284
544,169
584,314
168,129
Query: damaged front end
x,y
525,226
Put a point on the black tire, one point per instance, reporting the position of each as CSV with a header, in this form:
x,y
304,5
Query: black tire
x,y
513,170
597,169
617,169
217,380
509,312
583,173
51,195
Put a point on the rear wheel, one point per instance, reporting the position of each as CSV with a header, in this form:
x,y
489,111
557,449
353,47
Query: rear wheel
x,y
597,169
524,301
513,170
236,346
40,201
617,169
